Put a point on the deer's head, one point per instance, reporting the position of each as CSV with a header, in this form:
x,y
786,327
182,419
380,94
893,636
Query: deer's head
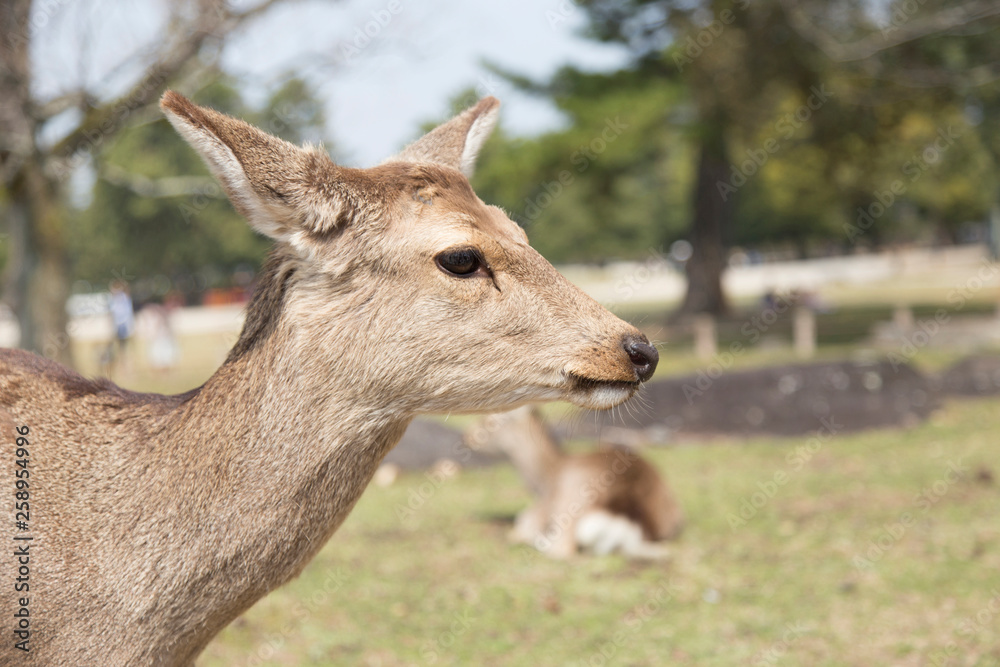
x,y
400,276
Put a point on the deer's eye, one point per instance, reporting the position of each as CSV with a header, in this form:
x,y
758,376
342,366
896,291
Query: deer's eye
x,y
462,262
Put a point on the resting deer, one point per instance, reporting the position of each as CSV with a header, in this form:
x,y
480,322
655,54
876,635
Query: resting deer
x,y
604,501
390,292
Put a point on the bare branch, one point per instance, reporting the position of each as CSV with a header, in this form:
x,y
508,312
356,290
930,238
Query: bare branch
x,y
891,36
74,99
213,21
936,77
242,17
175,186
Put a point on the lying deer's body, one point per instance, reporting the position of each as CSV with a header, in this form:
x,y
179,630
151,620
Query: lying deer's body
x,y
391,291
603,501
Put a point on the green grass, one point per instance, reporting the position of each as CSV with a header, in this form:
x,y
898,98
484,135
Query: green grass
x,y
443,587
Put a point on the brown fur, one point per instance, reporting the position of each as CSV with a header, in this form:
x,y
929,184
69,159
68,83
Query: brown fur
x,y
616,481
159,519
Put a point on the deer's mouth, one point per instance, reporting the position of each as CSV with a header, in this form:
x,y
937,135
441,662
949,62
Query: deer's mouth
x,y
597,394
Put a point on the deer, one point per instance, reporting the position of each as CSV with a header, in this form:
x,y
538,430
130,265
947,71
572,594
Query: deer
x,y
389,292
610,500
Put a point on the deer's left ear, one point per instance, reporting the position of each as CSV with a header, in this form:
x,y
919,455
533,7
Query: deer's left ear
x,y
456,143
289,193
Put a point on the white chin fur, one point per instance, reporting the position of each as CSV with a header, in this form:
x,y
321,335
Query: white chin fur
x,y
602,397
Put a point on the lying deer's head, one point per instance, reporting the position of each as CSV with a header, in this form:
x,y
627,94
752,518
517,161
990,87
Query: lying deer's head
x,y
402,277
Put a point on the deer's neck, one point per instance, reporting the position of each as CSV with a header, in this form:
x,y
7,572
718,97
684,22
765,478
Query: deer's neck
x,y
263,465
290,437
534,453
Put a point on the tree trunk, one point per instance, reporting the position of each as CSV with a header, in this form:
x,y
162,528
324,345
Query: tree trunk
x,y
20,264
712,216
37,275
38,267
43,303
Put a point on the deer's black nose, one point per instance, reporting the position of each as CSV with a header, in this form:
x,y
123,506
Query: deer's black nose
x,y
642,355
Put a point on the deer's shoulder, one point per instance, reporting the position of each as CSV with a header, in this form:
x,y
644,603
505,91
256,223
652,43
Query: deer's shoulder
x,y
28,377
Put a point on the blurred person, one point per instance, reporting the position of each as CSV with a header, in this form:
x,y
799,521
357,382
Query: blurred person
x,y
244,282
769,301
173,300
156,325
122,320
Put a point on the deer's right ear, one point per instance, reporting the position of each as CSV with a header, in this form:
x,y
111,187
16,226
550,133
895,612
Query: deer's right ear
x,y
457,142
285,192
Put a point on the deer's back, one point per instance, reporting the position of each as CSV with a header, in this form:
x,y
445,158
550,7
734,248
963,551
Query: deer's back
x,y
622,482
87,438
86,442
73,410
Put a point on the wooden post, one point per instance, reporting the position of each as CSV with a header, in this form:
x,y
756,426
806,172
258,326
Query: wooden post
x,y
804,333
705,343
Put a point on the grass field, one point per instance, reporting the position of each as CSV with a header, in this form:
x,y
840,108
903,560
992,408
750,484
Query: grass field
x,y
878,549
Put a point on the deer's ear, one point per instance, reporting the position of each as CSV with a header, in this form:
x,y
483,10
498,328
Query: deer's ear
x,y
457,142
284,191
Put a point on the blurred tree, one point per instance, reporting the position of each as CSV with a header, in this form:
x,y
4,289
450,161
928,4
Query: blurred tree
x,y
34,168
983,107
589,192
789,142
736,59
912,77
706,75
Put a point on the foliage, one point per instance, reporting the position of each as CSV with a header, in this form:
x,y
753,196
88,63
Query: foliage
x,y
808,139
611,185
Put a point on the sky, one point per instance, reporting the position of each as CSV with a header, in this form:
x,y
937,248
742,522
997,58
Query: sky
x,y
382,67
384,72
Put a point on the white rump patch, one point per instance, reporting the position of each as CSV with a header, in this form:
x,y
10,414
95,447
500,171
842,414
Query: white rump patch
x,y
603,533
